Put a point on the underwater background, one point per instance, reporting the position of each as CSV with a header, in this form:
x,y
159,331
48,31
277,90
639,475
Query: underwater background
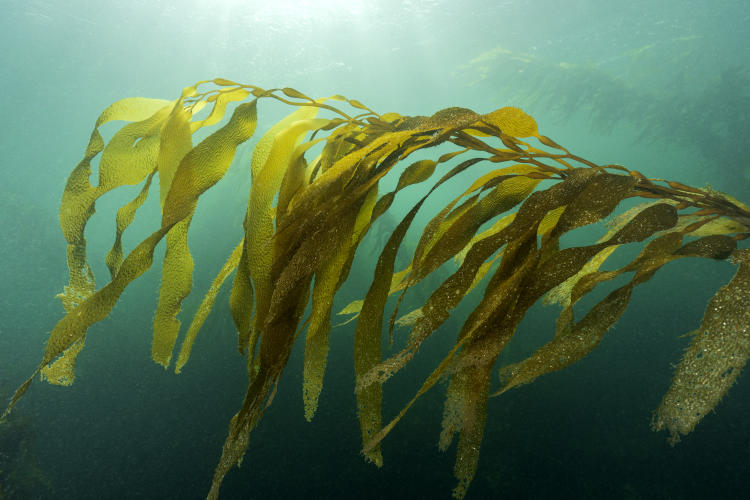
x,y
661,87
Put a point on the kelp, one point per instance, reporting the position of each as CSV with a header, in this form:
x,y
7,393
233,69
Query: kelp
x,y
307,215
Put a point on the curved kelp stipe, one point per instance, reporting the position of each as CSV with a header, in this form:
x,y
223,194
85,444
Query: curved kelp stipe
x,y
306,217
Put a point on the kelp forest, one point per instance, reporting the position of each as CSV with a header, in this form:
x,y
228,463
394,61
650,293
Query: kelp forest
x,y
653,89
316,191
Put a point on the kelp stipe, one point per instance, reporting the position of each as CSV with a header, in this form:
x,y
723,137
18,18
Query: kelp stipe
x,y
326,205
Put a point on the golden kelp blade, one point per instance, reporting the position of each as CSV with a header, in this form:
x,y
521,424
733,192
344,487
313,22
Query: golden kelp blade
x,y
180,168
62,370
504,229
121,164
206,305
125,217
512,121
126,159
177,269
270,160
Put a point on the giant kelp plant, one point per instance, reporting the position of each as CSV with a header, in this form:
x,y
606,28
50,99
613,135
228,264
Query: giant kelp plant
x,y
307,213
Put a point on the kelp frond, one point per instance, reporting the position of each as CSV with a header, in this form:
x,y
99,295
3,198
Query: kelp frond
x,y
307,216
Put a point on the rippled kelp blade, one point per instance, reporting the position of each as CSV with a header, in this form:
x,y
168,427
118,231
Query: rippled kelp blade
x,y
206,305
200,169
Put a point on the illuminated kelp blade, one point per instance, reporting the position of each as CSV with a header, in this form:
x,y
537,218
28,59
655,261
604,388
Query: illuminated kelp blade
x,y
308,213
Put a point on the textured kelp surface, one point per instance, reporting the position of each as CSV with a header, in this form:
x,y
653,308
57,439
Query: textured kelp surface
x,y
314,195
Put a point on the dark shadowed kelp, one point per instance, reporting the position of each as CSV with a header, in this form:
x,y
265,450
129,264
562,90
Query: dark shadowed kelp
x,y
20,476
506,227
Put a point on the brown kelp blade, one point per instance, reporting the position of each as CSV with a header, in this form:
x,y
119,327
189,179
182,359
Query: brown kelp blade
x,y
714,359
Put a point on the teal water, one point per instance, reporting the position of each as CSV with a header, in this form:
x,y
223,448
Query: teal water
x,y
662,87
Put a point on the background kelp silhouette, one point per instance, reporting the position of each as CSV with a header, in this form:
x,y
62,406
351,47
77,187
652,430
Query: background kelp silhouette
x,y
653,89
20,476
307,216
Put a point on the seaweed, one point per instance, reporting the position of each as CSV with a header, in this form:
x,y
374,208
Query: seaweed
x,y
306,217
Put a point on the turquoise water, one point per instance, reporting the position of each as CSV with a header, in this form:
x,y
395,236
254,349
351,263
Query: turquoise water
x,y
662,87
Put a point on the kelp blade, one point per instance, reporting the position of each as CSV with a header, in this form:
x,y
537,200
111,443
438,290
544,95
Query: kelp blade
x,y
714,359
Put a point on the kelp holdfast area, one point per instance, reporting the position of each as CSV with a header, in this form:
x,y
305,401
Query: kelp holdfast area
x,y
314,196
